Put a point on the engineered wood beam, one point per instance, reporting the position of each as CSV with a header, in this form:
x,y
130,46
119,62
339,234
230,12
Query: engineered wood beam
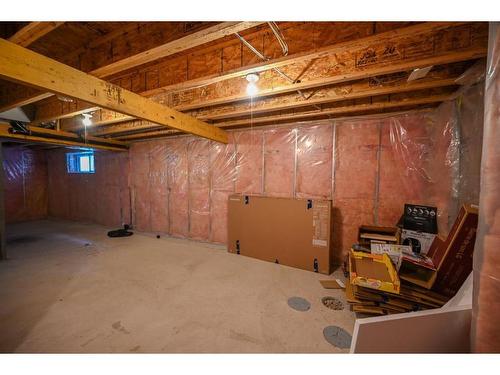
x,y
344,111
190,41
32,32
335,79
54,137
24,66
357,90
335,111
408,43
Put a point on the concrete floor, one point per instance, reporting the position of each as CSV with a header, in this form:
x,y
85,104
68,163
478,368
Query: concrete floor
x,y
67,287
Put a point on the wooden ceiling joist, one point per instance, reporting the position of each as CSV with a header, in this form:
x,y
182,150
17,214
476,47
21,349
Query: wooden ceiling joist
x,y
27,67
334,94
190,41
404,39
182,44
32,32
331,113
53,137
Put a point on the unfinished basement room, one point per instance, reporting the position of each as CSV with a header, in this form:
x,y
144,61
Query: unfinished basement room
x,y
249,186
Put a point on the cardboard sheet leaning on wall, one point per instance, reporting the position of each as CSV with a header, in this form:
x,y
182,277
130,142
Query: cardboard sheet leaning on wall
x,y
369,166
486,290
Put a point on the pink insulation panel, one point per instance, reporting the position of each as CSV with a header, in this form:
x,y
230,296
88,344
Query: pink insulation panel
x,y
279,162
25,184
369,167
102,197
314,162
199,188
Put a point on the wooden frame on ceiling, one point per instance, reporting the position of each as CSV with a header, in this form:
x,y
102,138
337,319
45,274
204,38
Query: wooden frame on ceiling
x,y
22,65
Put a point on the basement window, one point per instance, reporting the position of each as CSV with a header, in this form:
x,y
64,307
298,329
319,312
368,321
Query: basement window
x,y
80,162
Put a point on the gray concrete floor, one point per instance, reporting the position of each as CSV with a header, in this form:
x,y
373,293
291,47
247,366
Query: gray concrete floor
x,y
67,287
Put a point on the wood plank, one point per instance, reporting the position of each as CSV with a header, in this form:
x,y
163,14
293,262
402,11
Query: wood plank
x,y
24,66
344,111
404,36
75,140
361,89
335,79
190,41
357,90
335,49
334,111
32,32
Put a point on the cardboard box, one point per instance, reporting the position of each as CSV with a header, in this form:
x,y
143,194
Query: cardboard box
x,y
395,252
450,260
454,257
420,218
368,234
420,242
292,232
373,271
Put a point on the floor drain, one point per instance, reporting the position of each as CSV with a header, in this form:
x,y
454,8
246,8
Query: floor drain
x,y
332,303
337,337
299,303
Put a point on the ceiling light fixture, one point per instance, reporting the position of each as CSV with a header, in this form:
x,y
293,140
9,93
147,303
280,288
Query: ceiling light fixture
x,y
87,119
252,79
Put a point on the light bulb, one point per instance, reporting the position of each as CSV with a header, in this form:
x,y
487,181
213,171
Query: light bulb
x,y
252,89
86,119
252,78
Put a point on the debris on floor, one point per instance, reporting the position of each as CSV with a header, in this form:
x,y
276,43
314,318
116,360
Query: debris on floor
x,y
332,284
122,232
332,303
387,277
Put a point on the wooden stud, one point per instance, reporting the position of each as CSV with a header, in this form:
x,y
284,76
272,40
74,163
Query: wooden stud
x,y
25,66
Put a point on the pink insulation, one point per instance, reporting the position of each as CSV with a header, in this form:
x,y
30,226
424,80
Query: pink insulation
x,y
279,162
199,188
102,197
25,183
314,161
369,167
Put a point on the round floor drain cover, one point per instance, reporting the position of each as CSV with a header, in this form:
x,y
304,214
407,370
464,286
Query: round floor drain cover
x,y
337,336
299,303
332,303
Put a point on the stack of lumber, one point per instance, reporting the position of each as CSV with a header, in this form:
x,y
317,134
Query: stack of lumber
x,y
377,302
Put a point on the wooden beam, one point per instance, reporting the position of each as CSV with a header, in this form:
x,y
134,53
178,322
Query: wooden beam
x,y
335,79
21,65
356,90
190,41
343,111
54,137
334,111
409,42
338,49
32,32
